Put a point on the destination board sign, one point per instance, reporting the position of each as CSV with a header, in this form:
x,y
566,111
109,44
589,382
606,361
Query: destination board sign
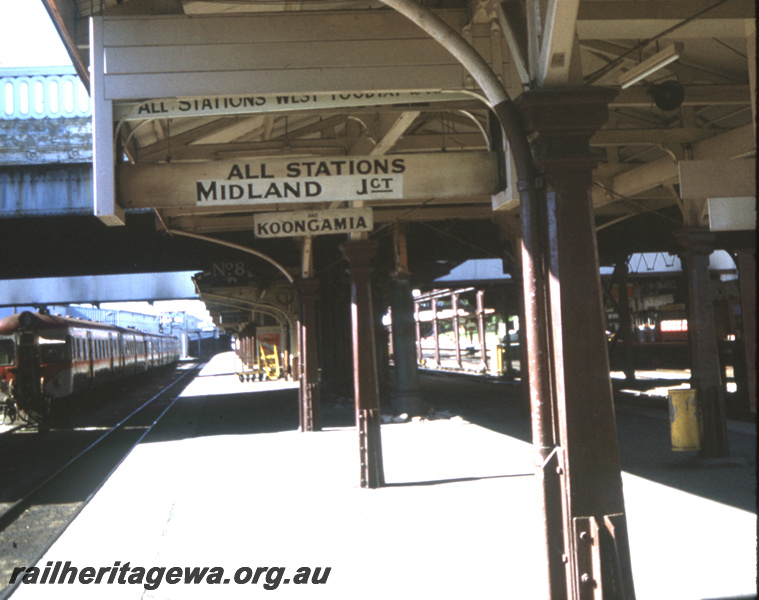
x,y
337,179
281,181
214,106
312,222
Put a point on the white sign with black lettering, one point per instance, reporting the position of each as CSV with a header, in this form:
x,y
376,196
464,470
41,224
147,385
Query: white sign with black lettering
x,y
215,106
341,179
312,222
278,181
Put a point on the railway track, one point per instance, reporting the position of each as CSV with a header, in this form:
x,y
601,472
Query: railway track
x,y
42,511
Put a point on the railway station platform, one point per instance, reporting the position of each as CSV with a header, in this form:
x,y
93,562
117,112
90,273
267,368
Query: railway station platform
x,y
458,518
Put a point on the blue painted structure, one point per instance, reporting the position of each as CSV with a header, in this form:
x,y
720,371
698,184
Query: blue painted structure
x,y
45,143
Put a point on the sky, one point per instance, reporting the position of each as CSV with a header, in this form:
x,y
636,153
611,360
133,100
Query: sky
x,y
28,37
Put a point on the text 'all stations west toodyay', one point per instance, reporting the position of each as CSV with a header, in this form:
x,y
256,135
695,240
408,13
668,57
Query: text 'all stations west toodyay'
x,y
231,105
333,179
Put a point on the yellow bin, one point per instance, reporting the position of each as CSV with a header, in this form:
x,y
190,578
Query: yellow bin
x,y
684,420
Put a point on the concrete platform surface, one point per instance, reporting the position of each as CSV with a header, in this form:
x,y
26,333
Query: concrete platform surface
x,y
459,518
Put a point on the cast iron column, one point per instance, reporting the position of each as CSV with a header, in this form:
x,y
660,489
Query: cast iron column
x,y
435,330
584,469
625,323
456,326
407,398
746,260
417,334
481,330
366,391
705,370
310,404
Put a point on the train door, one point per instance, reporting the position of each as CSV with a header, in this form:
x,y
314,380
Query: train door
x,y
128,360
90,358
111,346
28,376
120,350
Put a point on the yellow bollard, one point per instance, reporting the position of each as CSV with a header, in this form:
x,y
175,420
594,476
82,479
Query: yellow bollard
x,y
684,420
499,355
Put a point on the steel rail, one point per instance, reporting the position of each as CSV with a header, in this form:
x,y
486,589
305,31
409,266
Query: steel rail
x,y
7,516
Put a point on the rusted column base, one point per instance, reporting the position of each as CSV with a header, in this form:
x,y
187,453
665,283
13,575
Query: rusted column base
x,y
370,448
310,404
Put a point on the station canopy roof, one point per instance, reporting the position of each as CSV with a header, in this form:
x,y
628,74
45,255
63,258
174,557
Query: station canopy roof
x,y
635,185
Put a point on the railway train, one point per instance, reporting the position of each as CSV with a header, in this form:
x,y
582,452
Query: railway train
x,y
44,358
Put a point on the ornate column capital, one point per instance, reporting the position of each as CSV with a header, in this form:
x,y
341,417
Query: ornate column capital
x,y
307,287
561,122
579,111
696,240
359,254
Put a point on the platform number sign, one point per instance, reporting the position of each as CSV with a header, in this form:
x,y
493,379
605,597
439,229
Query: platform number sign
x,y
229,273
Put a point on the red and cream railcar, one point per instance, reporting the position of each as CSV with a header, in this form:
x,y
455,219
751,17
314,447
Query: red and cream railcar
x,y
44,358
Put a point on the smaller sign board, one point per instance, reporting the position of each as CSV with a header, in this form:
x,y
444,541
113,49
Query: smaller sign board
x,y
312,222
215,106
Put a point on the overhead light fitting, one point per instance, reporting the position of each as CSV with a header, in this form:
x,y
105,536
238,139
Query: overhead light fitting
x,y
652,64
668,95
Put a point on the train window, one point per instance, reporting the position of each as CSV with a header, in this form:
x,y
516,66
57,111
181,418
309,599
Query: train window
x,y
7,352
52,352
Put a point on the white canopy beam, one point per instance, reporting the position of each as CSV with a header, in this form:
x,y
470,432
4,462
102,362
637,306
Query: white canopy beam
x,y
558,43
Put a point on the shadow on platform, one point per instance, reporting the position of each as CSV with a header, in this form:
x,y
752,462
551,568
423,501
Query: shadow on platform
x,y
644,439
